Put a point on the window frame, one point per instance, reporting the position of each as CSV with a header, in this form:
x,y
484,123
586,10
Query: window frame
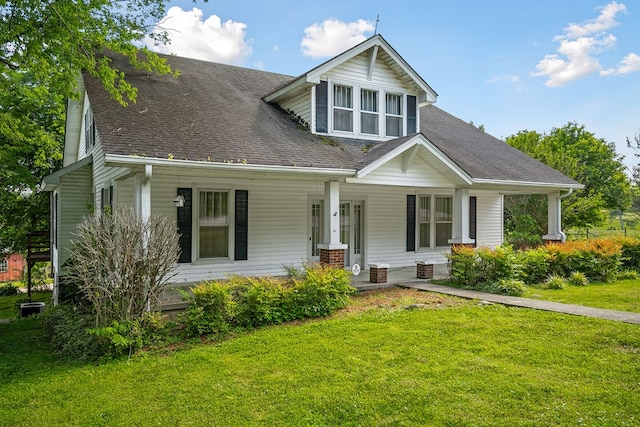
x,y
357,111
433,222
375,112
89,130
402,116
4,265
342,108
420,220
438,221
198,224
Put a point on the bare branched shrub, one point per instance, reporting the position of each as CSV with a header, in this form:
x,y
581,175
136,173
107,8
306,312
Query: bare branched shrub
x,y
118,274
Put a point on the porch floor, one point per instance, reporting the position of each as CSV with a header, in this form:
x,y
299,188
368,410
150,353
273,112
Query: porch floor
x,y
171,299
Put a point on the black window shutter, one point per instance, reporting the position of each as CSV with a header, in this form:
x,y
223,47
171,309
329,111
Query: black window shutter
x,y
102,199
411,115
184,225
55,220
86,131
472,216
111,197
411,222
322,107
241,225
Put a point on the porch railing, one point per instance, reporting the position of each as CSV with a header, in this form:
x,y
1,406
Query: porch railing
x,y
38,250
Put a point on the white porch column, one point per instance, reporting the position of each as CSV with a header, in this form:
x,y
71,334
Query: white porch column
x,y
554,218
331,249
142,193
461,218
331,213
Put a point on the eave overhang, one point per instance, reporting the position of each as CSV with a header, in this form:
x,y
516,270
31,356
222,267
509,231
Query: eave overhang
x,y
51,181
116,160
523,187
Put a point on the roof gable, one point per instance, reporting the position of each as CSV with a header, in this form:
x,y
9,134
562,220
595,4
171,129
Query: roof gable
x,y
376,48
411,150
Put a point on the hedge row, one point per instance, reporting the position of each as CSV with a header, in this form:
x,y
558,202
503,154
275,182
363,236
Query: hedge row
x,y
598,260
246,302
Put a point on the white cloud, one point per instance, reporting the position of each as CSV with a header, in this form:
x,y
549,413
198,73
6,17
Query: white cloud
x,y
605,21
332,37
629,64
580,44
579,60
210,39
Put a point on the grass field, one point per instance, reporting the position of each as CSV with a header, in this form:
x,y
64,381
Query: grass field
x,y
623,295
377,363
8,304
611,227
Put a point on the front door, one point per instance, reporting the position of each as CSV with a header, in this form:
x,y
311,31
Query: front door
x,y
351,230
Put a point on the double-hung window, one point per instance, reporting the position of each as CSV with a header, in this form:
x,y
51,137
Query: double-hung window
x,y
393,109
4,266
213,223
435,225
444,220
424,221
89,130
343,108
369,120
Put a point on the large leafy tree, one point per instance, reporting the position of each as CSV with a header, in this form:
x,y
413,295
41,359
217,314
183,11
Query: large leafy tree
x,y
44,44
582,156
634,143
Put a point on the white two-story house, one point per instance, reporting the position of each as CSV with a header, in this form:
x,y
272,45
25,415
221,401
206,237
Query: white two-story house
x,y
348,163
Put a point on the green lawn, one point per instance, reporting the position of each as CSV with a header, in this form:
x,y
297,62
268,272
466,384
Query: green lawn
x,y
448,362
611,227
8,304
623,295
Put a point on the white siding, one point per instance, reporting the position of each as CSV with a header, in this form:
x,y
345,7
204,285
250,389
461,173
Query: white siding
x,y
387,227
277,223
104,177
300,105
489,215
357,68
75,195
418,174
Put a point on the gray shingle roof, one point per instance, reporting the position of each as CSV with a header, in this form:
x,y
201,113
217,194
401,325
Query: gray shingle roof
x,y
214,112
211,112
481,155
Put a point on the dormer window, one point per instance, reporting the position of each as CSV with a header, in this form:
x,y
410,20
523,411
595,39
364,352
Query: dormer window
x,y
343,108
364,111
394,114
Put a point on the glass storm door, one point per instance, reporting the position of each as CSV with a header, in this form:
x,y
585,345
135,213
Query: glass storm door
x,y
351,230
316,232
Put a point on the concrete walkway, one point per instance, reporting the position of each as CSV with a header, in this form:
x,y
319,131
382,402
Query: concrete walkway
x,y
578,310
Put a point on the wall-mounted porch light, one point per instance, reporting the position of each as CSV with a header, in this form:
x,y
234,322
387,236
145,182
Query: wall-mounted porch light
x,y
179,201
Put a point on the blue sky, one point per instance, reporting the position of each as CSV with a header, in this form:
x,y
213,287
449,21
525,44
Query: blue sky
x,y
508,65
